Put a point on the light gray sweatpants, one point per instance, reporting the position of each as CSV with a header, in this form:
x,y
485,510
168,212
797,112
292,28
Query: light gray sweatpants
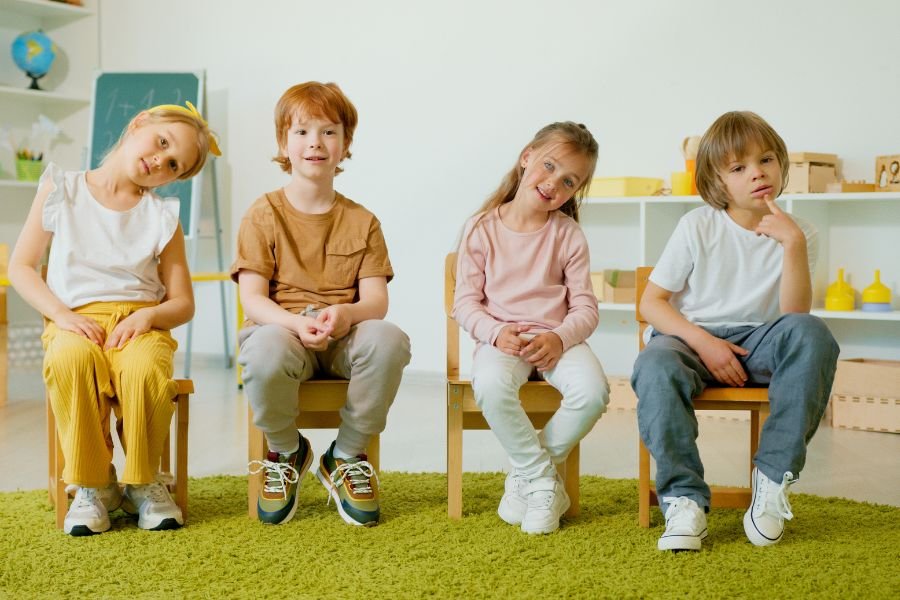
x,y
372,356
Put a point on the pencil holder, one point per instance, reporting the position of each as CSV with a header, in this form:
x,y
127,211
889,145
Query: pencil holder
x,y
28,170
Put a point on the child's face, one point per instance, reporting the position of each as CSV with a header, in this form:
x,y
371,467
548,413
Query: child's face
x,y
750,178
551,176
315,147
157,153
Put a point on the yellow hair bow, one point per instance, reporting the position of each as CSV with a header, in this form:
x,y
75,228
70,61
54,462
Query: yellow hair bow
x,y
192,111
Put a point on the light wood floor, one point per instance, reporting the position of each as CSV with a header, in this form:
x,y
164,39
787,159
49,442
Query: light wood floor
x,y
852,464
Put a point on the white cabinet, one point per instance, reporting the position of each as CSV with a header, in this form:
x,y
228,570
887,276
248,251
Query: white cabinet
x,y
859,232
66,88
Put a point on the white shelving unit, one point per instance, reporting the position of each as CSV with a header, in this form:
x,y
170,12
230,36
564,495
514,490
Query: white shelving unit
x,y
859,232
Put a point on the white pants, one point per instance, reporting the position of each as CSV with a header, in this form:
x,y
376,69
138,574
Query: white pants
x,y
496,379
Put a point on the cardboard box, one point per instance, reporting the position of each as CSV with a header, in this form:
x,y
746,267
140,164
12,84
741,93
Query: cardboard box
x,y
887,173
866,395
624,186
613,285
810,172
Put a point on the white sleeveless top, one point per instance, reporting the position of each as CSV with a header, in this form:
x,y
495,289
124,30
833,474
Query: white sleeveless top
x,y
99,254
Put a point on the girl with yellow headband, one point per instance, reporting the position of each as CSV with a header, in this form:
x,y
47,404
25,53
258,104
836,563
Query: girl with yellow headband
x,y
117,282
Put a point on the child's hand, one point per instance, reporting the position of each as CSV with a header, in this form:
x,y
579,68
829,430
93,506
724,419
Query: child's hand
x,y
508,341
337,318
135,324
313,334
84,326
779,226
719,357
543,351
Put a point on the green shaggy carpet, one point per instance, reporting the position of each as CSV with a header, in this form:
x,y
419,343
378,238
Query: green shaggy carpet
x,y
833,548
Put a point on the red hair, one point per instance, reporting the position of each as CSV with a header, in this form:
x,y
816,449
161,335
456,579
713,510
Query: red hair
x,y
318,101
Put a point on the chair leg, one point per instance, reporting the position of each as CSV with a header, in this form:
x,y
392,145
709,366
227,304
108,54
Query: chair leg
x,y
572,480
454,451
373,452
643,485
181,452
256,450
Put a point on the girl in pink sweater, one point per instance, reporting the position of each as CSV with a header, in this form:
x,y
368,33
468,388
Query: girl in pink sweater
x,y
524,294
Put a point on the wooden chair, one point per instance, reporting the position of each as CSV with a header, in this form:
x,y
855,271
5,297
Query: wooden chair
x,y
320,402
4,325
755,400
57,488
539,398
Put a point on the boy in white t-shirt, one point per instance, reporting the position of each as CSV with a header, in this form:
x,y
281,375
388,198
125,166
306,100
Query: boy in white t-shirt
x,y
729,304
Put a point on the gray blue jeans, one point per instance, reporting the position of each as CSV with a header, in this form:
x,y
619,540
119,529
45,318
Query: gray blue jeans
x,y
795,355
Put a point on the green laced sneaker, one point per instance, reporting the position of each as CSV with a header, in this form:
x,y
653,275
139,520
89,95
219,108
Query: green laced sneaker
x,y
353,485
283,474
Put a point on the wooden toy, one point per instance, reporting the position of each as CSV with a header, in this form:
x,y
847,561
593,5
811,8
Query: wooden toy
x,y
887,173
810,172
845,186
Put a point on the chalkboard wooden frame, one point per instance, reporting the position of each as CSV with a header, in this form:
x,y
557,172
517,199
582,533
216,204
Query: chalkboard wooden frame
x,y
120,95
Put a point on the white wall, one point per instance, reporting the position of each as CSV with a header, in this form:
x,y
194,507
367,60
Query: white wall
x,y
449,92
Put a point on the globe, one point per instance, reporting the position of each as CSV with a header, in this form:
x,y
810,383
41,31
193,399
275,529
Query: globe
x,y
33,52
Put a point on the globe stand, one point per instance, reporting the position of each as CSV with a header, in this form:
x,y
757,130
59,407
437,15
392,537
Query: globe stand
x,y
34,81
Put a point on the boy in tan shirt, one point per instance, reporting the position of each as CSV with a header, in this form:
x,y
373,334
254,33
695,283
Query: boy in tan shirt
x,y
313,270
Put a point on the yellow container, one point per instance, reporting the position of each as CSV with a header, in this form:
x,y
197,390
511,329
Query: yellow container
x,y
682,183
624,186
28,170
839,295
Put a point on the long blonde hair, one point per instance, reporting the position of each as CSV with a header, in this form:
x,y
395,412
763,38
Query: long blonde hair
x,y
565,133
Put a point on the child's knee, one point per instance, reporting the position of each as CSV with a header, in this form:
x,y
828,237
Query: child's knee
x,y
71,355
381,342
812,333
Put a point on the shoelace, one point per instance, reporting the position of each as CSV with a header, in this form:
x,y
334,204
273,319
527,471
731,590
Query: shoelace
x,y
84,497
774,500
278,475
157,492
679,512
357,473
541,493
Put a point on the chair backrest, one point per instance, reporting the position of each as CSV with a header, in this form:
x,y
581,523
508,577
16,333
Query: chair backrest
x,y
642,278
452,325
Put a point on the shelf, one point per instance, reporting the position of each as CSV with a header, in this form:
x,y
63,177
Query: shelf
x,y
58,12
42,97
15,183
842,197
857,315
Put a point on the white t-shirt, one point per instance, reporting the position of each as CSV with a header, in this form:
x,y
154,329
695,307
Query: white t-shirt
x,y
99,254
721,274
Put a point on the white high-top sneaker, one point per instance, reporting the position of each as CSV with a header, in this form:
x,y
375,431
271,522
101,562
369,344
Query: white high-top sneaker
x,y
764,520
685,525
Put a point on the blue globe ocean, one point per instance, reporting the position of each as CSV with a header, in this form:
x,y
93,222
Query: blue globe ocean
x,y
34,52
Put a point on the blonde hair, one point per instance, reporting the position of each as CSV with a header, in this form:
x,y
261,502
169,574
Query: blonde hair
x,y
166,115
730,137
565,133
318,101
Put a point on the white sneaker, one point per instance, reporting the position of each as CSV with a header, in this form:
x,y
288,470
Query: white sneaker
x,y
86,515
685,525
514,501
764,520
547,501
154,506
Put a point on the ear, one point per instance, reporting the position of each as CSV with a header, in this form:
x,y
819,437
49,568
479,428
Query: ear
x,y
138,120
525,157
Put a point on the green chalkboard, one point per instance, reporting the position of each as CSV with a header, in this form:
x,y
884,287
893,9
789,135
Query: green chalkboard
x,y
119,96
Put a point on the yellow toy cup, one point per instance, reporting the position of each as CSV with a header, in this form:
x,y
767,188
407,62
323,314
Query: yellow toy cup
x,y
839,295
876,297
682,183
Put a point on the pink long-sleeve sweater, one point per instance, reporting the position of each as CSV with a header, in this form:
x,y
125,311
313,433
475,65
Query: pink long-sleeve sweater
x,y
540,278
